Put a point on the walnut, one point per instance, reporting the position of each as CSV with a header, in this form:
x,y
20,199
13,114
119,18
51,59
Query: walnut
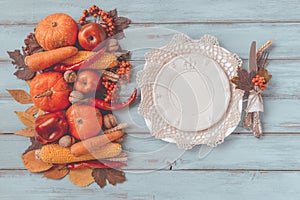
x,y
70,76
109,121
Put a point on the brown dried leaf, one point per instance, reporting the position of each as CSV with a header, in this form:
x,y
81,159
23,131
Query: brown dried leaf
x,y
244,80
23,71
34,145
32,46
81,177
121,23
112,175
100,177
115,176
113,13
264,72
26,119
27,132
57,172
21,96
34,165
32,110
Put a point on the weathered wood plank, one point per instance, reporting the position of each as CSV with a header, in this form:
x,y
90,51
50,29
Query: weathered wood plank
x,y
239,152
159,185
283,71
139,38
280,116
31,11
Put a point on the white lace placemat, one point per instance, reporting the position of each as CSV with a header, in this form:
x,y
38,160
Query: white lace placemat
x,y
157,58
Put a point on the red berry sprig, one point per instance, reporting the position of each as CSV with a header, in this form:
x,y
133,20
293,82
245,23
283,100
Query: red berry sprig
x,y
124,70
103,17
260,82
111,88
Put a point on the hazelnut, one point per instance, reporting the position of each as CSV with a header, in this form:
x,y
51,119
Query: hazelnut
x,y
109,121
66,141
70,76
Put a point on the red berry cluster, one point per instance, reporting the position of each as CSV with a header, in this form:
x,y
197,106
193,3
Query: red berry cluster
x,y
111,88
106,21
260,82
124,70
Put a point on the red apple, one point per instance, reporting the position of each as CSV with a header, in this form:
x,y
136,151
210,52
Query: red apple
x,y
87,81
91,35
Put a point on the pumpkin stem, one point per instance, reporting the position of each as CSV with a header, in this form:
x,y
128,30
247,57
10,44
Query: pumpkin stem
x,y
53,24
44,94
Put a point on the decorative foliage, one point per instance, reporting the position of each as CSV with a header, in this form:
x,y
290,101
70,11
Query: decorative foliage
x,y
49,92
254,82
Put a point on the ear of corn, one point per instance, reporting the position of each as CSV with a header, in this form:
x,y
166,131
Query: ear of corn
x,y
56,154
108,60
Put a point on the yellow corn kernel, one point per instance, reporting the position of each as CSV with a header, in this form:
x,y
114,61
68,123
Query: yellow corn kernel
x,y
56,154
108,60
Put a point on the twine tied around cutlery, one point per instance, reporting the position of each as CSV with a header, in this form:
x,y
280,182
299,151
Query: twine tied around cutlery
x,y
255,106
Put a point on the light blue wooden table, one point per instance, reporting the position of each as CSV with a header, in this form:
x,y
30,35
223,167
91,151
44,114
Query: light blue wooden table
x,y
241,168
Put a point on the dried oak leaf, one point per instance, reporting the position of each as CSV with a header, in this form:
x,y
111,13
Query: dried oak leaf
x,y
33,164
23,72
27,119
32,110
120,23
244,80
27,132
34,145
56,172
21,96
113,176
81,177
32,46
264,72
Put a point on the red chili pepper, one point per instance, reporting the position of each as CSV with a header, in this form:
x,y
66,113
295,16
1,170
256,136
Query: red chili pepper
x,y
82,64
108,106
96,164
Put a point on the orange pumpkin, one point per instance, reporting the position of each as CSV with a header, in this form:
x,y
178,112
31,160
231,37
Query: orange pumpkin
x,y
85,121
56,30
50,92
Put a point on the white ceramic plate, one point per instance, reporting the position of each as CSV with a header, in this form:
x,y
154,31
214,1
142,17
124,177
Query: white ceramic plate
x,y
191,92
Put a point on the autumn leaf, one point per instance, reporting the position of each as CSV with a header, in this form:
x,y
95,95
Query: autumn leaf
x,y
244,80
81,177
113,176
120,24
32,110
32,46
264,73
27,132
26,119
23,72
21,96
56,172
34,145
33,164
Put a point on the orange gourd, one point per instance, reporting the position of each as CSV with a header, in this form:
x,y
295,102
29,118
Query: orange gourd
x,y
50,92
56,30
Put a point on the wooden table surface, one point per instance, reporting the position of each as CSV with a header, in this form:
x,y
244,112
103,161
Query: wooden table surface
x,y
241,168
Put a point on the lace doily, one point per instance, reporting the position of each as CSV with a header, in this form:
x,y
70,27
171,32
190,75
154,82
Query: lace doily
x,y
155,61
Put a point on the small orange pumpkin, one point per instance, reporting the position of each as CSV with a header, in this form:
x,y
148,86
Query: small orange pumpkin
x,y
56,30
50,92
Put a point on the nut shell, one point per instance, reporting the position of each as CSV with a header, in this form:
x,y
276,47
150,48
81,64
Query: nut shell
x,y
110,121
